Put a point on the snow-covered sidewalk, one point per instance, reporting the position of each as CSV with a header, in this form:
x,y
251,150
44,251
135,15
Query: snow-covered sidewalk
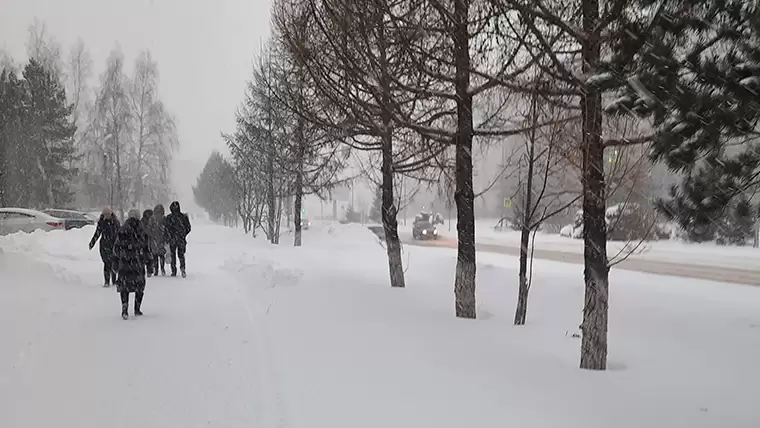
x,y
266,336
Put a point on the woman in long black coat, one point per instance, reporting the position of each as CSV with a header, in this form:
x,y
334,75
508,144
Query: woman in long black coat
x,y
131,254
108,226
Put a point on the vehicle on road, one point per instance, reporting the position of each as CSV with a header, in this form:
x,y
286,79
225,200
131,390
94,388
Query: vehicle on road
x,y
423,227
14,220
305,223
72,219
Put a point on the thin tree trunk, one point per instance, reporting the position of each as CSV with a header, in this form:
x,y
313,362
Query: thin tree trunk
x,y
297,208
595,311
119,195
389,216
521,312
389,211
464,283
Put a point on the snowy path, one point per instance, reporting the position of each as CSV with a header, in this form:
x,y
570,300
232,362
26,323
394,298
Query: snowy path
x,y
195,359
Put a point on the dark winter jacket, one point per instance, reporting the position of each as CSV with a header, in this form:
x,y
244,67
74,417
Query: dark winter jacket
x,y
153,232
177,225
160,230
106,231
131,253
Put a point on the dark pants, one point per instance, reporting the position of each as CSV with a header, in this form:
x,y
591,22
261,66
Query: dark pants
x,y
108,274
178,250
159,261
125,300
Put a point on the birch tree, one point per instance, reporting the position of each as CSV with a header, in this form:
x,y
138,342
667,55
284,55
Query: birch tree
x,y
110,131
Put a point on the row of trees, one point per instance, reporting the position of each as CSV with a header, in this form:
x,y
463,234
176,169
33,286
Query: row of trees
x,y
77,144
418,85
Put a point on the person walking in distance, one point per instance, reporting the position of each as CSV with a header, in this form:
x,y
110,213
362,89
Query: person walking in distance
x,y
177,227
131,255
148,228
159,256
105,231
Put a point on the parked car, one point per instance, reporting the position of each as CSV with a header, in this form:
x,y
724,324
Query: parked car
x,y
14,220
423,228
72,219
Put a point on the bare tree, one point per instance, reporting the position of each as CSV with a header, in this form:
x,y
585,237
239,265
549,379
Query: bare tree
x,y
78,74
42,47
459,46
110,130
353,58
154,137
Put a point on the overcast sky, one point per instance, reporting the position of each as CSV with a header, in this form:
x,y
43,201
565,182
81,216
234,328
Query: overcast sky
x,y
204,50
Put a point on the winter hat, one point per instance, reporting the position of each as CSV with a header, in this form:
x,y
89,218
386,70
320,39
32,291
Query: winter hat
x,y
147,214
158,211
134,213
174,207
107,211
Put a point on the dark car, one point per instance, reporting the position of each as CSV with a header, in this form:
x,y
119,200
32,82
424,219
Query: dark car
x,y
423,228
71,219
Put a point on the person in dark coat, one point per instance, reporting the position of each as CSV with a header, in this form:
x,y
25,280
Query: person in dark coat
x,y
131,254
177,227
159,256
108,226
147,225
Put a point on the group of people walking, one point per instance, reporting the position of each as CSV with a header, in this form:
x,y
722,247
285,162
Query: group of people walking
x,y
137,249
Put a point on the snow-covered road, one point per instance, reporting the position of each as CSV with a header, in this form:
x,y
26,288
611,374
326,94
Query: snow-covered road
x,y
748,273
274,336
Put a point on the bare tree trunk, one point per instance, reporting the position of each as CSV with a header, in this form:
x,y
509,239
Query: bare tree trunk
x,y
297,208
464,283
119,195
271,199
389,216
521,312
278,218
596,271
389,213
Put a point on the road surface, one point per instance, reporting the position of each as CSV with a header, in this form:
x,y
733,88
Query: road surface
x,y
707,272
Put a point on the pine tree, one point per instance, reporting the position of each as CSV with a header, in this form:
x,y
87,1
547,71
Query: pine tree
x,y
50,137
13,102
216,188
698,78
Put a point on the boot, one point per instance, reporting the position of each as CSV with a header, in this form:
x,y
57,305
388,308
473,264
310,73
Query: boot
x,y
138,303
184,275
124,313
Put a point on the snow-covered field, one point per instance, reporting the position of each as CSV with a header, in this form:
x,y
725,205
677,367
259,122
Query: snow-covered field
x,y
266,336
669,251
